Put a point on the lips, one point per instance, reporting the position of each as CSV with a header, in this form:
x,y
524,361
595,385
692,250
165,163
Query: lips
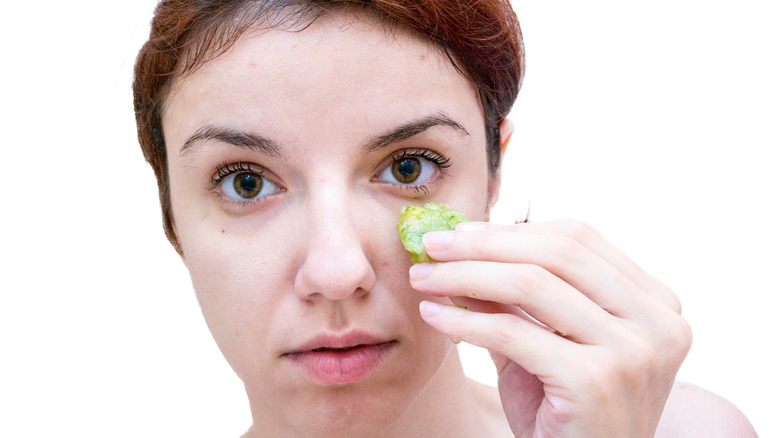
x,y
340,359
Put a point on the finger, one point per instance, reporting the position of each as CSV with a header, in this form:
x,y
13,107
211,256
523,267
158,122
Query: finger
x,y
540,294
595,241
566,258
530,346
477,305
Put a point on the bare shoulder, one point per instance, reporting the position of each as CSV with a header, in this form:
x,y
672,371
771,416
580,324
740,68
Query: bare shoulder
x,y
694,412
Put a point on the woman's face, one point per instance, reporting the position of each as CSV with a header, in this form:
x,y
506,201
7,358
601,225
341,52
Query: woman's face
x,y
290,158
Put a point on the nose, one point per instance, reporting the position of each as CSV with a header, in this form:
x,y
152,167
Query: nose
x,y
336,265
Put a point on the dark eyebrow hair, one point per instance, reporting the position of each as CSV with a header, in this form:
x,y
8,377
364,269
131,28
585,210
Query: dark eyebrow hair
x,y
411,129
268,147
236,138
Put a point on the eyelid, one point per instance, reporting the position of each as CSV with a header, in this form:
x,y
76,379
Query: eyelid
x,y
439,161
228,169
436,158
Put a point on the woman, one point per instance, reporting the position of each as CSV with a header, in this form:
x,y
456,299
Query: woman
x,y
286,136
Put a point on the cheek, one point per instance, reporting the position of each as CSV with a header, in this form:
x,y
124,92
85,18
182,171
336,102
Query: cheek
x,y
238,291
222,276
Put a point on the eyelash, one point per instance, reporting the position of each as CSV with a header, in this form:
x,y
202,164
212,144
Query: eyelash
x,y
441,162
226,169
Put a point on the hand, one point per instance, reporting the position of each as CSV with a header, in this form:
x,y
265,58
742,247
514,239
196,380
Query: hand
x,y
586,343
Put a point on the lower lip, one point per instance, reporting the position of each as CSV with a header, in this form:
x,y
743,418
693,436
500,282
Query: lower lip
x,y
335,367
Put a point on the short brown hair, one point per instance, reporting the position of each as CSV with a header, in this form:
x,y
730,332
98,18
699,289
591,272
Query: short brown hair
x,y
482,38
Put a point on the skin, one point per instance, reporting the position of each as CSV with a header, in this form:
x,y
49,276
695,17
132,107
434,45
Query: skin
x,y
319,253
323,254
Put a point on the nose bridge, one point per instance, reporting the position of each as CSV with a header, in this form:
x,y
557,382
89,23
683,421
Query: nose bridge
x,y
335,265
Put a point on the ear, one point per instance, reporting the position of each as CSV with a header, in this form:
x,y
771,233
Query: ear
x,y
505,130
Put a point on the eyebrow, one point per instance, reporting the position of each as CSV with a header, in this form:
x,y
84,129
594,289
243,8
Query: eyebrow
x,y
245,140
268,147
411,129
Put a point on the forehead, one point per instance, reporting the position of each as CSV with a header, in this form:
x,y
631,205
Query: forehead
x,y
345,68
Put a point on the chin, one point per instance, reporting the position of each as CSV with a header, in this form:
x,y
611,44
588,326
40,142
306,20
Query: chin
x,y
380,402
336,411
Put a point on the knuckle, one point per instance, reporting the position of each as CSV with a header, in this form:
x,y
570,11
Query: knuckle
x,y
686,333
481,246
664,295
563,411
507,331
567,249
598,375
634,359
671,301
616,373
679,338
531,278
641,357
502,338
673,337
578,230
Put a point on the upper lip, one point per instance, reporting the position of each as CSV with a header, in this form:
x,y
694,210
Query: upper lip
x,y
333,341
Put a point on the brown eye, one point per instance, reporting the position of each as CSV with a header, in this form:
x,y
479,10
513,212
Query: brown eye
x,y
247,185
240,182
407,170
412,168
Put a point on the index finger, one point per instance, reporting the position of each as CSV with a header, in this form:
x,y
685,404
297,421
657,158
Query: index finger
x,y
503,242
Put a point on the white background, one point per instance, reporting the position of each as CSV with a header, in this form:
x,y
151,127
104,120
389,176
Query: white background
x,y
656,122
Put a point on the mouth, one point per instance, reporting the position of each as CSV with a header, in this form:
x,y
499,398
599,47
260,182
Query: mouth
x,y
324,349
340,360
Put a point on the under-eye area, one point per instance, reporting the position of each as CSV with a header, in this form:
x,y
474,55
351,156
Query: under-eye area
x,y
417,220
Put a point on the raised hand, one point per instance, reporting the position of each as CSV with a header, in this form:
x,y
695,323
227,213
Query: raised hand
x,y
585,342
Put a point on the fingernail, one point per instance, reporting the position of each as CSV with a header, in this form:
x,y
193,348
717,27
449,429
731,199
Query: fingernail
x,y
437,240
429,309
420,271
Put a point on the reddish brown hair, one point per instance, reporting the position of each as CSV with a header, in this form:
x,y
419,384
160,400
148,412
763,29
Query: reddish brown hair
x,y
481,37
